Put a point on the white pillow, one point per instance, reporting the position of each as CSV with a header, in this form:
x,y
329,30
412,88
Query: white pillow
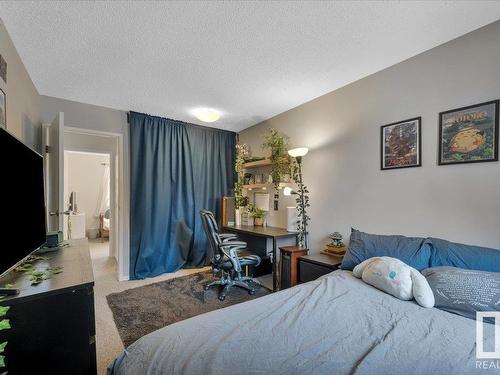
x,y
397,278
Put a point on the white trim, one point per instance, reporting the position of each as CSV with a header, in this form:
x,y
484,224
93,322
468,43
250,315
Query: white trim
x,y
122,222
86,152
72,129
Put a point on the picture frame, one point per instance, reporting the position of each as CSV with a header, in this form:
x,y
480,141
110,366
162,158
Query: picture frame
x,y
469,134
3,68
401,144
3,110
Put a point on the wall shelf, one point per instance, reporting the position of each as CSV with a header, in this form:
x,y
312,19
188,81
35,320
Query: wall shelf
x,y
258,163
256,186
266,186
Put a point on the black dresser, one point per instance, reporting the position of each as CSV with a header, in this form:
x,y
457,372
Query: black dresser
x,y
315,265
53,323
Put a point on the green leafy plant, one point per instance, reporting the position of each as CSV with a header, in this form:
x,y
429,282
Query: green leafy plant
x,y
277,143
242,154
4,324
257,213
35,275
302,201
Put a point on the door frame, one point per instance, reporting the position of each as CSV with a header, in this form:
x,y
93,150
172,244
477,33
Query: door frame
x,y
119,194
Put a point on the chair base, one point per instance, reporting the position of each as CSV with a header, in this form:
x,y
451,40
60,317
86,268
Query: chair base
x,y
228,281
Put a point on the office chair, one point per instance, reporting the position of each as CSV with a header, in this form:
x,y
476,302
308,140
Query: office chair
x,y
225,257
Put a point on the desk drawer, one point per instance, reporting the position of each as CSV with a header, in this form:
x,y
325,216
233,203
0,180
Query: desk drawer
x,y
310,271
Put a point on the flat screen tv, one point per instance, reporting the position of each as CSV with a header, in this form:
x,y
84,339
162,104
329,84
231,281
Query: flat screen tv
x,y
23,224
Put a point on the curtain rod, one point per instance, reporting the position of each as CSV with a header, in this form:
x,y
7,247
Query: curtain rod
x,y
209,128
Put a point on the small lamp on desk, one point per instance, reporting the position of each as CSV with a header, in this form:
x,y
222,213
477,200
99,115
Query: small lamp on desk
x,y
302,199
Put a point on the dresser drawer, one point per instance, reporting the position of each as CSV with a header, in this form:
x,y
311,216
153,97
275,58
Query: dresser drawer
x,y
310,271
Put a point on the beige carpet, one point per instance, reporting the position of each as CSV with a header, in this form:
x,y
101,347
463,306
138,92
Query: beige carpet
x,y
108,342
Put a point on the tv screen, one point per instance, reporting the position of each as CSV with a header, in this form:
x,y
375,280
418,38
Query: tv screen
x,y
23,226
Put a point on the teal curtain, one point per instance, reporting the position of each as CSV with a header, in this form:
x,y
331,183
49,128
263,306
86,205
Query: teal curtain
x,y
176,169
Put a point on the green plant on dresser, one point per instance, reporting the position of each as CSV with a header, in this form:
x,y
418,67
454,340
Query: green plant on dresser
x,y
4,324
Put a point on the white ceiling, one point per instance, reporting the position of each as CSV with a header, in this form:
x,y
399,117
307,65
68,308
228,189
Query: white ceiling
x,y
250,60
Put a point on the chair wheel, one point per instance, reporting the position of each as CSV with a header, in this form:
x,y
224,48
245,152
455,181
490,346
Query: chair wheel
x,y
251,292
222,298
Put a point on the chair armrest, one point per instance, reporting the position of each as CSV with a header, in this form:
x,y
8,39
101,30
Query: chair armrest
x,y
230,249
237,244
227,236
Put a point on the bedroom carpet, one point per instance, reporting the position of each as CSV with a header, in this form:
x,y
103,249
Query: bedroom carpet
x,y
108,341
142,310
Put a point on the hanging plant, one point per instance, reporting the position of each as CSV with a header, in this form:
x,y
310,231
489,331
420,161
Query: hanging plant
x,y
277,143
302,201
242,154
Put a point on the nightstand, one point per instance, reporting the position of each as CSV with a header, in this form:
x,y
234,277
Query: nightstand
x,y
289,265
315,265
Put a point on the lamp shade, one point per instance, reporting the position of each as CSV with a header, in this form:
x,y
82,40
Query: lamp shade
x,y
297,152
288,191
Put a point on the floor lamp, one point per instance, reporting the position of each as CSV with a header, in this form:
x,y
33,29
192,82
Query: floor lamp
x,y
298,153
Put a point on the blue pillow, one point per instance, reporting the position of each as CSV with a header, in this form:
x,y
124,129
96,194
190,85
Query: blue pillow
x,y
411,250
446,253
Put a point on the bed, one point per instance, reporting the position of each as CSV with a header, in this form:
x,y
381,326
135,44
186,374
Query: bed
x,y
334,325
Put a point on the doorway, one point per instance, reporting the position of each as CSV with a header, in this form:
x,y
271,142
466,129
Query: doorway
x,y
104,218
87,189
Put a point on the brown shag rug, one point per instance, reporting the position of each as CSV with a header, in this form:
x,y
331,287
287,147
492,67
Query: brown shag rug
x,y
142,310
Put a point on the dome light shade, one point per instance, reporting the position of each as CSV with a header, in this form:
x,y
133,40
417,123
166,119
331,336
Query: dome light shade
x,y
298,152
206,114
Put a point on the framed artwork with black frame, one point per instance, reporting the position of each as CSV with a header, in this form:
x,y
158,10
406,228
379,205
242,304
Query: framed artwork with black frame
x,y
469,134
401,144
3,110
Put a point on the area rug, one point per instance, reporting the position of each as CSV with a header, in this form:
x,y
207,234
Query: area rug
x,y
145,309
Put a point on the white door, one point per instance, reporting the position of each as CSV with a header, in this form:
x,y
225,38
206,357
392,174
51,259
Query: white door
x,y
53,144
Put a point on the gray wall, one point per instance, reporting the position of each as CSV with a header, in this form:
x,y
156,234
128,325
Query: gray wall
x,y
342,130
85,116
101,119
23,101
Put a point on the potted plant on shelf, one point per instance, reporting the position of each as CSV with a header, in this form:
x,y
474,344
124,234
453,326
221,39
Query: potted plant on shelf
x,y
242,154
258,216
277,143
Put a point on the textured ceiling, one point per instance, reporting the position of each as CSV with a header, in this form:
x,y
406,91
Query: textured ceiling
x,y
250,60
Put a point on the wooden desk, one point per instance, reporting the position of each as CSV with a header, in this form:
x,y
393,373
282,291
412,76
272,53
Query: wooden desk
x,y
257,238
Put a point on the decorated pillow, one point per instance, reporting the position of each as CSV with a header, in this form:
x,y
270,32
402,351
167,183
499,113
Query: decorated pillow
x,y
464,292
396,278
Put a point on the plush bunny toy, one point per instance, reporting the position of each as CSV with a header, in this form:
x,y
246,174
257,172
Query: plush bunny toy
x,y
397,278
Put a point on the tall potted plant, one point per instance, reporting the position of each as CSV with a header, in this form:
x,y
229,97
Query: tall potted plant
x,y
242,153
277,143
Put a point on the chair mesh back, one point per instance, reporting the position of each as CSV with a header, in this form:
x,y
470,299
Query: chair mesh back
x,y
212,218
210,227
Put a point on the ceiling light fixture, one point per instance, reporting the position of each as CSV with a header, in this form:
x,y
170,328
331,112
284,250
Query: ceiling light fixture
x,y
206,114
